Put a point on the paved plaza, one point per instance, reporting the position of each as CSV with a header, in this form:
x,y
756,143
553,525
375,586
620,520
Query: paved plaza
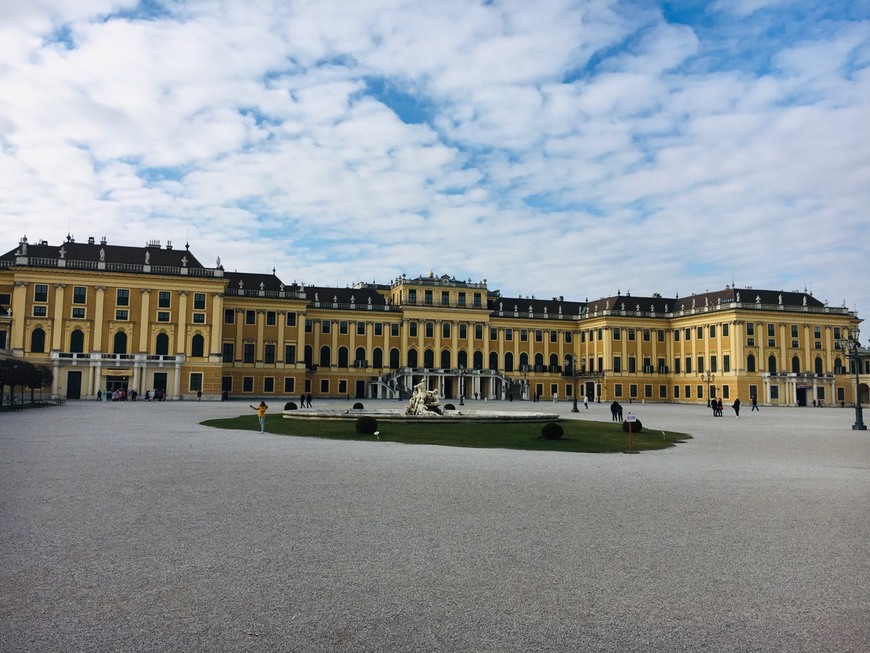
x,y
130,527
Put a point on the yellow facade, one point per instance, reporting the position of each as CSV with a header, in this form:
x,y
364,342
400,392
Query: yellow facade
x,y
153,318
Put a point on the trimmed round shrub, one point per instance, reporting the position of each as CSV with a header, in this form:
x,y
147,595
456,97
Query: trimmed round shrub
x,y
552,431
449,407
290,405
366,425
358,406
636,427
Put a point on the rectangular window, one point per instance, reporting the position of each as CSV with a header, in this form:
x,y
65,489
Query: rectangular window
x,y
817,332
632,364
247,384
568,337
309,326
477,300
700,364
774,392
412,296
676,392
412,329
676,335
227,383
343,327
249,352
462,299
794,331
688,365
478,332
676,366
539,335
269,384
663,392
661,335
445,298
508,334
700,333
379,329
195,381
40,292
699,392
750,328
646,335
122,314
199,301
463,331
687,335
289,354
163,316
199,318
771,330
360,328
324,386
164,299
554,336
726,362
753,391
617,334
271,318
250,317
269,352
617,389
325,326
632,391
524,335
688,390
726,392
427,297
837,335
342,387
229,316
430,329
725,331
445,329
80,295
291,319
394,329
40,311
289,384
617,364
122,297
712,331
632,334
229,350
714,367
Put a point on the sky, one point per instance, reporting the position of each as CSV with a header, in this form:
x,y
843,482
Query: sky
x,y
559,147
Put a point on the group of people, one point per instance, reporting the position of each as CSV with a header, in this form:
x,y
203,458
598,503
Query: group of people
x,y
615,412
718,408
122,394
305,400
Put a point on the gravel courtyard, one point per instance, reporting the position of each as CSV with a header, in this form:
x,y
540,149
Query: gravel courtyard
x,y
130,527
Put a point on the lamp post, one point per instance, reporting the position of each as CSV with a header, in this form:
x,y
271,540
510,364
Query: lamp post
x,y
573,363
708,377
851,344
461,385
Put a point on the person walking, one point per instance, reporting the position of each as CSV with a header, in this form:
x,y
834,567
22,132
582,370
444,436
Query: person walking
x,y
754,403
736,407
613,411
308,399
302,400
586,402
261,414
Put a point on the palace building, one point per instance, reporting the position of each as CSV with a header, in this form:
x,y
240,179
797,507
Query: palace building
x,y
155,318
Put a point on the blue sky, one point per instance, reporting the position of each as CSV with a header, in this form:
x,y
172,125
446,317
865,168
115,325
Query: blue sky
x,y
561,147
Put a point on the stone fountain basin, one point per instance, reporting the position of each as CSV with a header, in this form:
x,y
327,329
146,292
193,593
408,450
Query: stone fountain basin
x,y
398,415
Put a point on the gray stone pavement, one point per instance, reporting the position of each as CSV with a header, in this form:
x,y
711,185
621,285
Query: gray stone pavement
x,y
130,527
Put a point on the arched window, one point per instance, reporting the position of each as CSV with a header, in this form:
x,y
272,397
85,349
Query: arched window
x,y
445,359
77,342
394,358
509,362
37,341
309,356
795,364
412,358
462,358
524,361
378,358
838,366
750,363
197,345
325,355
493,360
539,362
360,354
554,361
342,356
819,365
429,359
119,344
478,360
161,349
771,364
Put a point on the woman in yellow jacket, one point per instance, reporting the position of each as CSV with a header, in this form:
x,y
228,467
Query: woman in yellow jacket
x,y
261,415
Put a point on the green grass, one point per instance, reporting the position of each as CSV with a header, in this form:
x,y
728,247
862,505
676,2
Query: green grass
x,y
579,437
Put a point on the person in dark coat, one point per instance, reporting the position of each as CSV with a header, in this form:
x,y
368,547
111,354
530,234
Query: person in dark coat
x,y
736,407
